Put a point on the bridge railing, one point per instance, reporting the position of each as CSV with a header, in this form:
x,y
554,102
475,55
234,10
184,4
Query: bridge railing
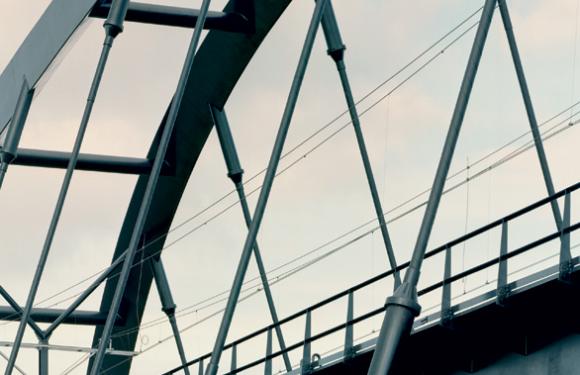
x,y
446,310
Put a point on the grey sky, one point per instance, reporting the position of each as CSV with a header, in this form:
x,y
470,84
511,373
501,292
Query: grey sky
x,y
324,195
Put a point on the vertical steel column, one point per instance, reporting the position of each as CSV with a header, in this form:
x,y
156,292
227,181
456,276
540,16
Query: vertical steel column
x,y
266,188
149,190
10,147
168,306
403,306
235,173
113,26
505,16
336,50
43,357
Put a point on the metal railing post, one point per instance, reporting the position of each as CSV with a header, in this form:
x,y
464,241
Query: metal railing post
x,y
446,312
566,265
349,330
266,188
336,51
306,363
403,306
268,362
502,273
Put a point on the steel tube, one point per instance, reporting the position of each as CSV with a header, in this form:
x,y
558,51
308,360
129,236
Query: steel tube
x,y
266,188
111,32
18,310
85,162
176,16
85,294
505,16
235,172
44,315
149,190
402,308
336,50
43,357
168,306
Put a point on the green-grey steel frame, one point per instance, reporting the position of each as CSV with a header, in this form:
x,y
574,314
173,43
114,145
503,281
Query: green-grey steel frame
x,y
218,65
221,60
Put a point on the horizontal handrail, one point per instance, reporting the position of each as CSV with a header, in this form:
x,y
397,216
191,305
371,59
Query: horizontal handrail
x,y
422,292
451,244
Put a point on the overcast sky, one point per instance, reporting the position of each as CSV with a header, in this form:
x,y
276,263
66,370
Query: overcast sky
x,y
320,198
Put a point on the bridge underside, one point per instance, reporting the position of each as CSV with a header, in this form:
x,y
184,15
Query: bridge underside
x,y
534,332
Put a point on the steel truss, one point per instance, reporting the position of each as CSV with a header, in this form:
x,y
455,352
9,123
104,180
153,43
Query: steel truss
x,y
166,170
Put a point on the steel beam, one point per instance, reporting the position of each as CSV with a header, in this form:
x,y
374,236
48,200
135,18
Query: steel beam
x,y
40,49
86,162
44,315
217,67
113,26
266,188
403,306
149,191
177,16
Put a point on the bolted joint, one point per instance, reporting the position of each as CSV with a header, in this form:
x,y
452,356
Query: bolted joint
x,y
169,310
236,175
405,296
114,23
332,34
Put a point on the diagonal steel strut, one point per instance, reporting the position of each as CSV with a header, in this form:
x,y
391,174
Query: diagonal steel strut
x,y
266,188
235,173
113,26
336,50
149,191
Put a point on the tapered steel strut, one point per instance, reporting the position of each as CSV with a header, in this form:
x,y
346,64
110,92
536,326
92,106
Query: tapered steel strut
x,y
149,190
266,188
113,26
235,173
168,306
403,306
9,150
505,16
336,50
